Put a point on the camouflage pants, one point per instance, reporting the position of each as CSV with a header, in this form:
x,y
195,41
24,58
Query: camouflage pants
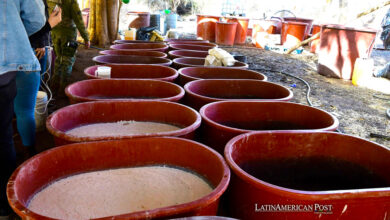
x,y
65,58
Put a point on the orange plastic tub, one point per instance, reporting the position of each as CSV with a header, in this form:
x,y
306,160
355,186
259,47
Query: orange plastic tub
x,y
60,162
241,30
205,28
119,89
226,33
295,31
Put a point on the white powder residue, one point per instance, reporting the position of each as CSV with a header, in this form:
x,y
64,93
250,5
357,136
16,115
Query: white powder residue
x,y
119,191
121,128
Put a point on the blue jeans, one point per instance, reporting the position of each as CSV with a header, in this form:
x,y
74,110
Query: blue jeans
x,y
7,151
27,84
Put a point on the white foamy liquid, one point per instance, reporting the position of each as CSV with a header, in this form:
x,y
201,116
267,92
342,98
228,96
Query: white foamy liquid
x,y
121,128
119,191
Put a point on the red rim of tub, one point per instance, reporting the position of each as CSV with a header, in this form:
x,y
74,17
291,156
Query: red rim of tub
x,y
212,99
162,47
173,54
202,112
192,78
293,193
237,64
78,98
71,138
134,53
21,210
144,60
190,47
170,78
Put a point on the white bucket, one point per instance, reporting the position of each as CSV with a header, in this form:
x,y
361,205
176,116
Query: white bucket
x,y
104,72
40,112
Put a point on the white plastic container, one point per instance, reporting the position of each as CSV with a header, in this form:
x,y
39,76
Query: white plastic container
x,y
40,112
104,72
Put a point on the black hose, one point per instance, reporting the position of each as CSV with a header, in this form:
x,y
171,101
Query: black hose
x,y
307,85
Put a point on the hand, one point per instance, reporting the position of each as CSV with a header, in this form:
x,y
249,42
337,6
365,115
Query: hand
x,y
55,17
87,44
40,52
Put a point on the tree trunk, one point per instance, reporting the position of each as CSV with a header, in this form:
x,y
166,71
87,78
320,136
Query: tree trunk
x,y
112,19
103,21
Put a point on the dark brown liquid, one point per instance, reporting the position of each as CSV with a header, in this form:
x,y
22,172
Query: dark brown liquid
x,y
265,125
314,174
234,96
120,97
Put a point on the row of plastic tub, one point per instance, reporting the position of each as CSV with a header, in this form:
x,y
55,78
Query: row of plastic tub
x,y
236,119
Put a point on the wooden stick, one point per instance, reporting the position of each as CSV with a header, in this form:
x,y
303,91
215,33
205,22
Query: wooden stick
x,y
373,9
303,43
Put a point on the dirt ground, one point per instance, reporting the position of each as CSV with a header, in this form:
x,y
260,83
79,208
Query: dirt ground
x,y
356,108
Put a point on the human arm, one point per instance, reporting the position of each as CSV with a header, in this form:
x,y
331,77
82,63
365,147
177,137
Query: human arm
x,y
33,15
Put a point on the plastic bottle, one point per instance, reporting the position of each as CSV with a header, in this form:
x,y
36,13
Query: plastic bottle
x,y
130,34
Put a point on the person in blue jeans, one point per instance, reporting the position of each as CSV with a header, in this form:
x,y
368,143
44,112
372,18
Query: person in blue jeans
x,y
18,20
27,83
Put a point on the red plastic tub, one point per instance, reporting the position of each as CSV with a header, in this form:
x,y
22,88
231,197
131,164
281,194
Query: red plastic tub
x,y
199,62
340,47
126,59
197,42
315,44
241,30
112,111
162,47
189,74
225,33
224,120
119,89
206,27
307,21
136,41
187,53
51,165
202,92
171,40
318,158
134,53
190,47
194,43
293,31
136,71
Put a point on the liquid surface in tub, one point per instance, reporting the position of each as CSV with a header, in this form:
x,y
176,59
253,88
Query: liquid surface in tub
x,y
314,174
265,125
121,97
121,128
118,191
